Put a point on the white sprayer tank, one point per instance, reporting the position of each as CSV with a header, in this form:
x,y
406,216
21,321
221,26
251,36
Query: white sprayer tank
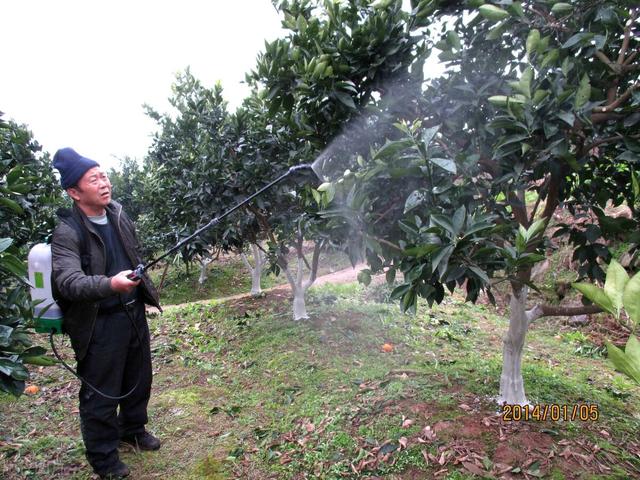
x,y
40,280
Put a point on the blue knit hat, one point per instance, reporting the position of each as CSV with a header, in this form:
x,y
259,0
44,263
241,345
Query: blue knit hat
x,y
72,166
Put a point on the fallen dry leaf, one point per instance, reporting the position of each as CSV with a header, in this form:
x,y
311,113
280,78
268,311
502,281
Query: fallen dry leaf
x,y
406,422
473,468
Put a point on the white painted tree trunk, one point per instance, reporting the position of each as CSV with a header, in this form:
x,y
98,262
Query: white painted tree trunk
x,y
511,382
299,285
299,304
256,271
204,262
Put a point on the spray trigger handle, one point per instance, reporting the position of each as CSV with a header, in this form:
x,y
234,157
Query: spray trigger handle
x,y
137,273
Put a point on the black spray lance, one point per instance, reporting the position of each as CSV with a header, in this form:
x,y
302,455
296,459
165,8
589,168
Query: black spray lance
x,y
140,269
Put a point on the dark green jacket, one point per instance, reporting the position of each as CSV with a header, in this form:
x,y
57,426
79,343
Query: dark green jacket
x,y
81,294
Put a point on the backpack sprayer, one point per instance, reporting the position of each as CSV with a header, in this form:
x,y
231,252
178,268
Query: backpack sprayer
x,y
47,313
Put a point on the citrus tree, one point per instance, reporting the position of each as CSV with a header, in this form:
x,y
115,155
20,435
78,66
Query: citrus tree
x,y
336,61
184,172
536,113
28,194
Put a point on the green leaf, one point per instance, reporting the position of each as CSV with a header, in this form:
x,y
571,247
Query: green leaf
x,y
445,163
595,294
399,291
443,222
13,265
550,129
581,38
14,370
561,8
504,100
614,285
345,99
459,217
5,243
532,41
550,58
623,363
11,205
632,350
390,276
415,199
497,31
441,259
420,251
409,301
480,274
391,148
477,227
364,277
493,13
453,39
631,298
535,229
568,117
14,174
540,95
5,336
584,91
40,360
428,135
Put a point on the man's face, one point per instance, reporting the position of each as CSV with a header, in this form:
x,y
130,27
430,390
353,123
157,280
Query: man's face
x,y
93,191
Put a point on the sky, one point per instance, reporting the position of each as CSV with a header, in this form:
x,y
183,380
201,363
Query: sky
x,y
77,72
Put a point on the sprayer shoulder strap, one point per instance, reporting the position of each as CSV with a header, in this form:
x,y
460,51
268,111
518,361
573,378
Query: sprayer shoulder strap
x,y
70,218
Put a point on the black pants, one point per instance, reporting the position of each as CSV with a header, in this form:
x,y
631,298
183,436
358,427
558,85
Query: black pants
x,y
115,361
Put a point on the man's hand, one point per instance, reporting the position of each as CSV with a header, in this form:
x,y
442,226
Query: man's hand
x,y
121,284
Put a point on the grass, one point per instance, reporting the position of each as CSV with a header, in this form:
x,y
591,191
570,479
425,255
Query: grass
x,y
241,391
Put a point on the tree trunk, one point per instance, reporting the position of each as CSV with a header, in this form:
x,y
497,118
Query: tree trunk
x,y
511,382
164,276
204,262
299,304
299,286
256,272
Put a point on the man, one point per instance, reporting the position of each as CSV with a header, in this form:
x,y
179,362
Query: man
x,y
104,313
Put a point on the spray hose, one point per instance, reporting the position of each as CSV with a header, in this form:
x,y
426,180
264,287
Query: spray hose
x,y
140,269
95,389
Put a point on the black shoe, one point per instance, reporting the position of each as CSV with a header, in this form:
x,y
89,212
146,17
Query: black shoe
x,y
143,441
119,470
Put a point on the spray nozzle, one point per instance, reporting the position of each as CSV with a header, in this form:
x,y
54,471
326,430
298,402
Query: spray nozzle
x,y
302,166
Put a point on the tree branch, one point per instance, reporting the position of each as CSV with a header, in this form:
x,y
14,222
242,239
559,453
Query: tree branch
x,y
540,311
601,141
604,59
385,242
314,262
630,59
519,209
627,37
623,98
605,117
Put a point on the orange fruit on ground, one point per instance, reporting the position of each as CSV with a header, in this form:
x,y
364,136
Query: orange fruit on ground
x,y
387,347
32,390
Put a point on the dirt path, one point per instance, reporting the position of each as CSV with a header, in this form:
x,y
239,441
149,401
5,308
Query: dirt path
x,y
341,276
